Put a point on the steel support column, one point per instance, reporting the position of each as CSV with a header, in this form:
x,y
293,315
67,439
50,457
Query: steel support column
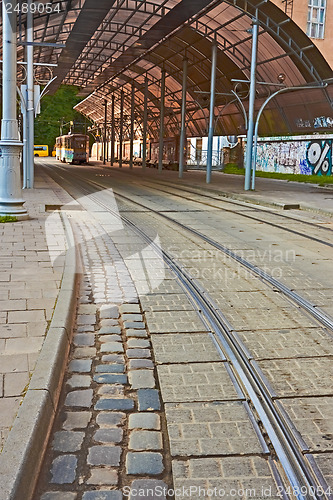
x,y
30,133
211,115
145,123
183,121
11,202
113,136
252,96
105,126
132,127
121,129
160,151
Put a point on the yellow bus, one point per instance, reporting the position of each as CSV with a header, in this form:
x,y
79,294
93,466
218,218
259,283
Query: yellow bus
x,y
41,150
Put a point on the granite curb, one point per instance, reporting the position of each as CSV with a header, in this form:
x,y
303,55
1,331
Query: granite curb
x,y
24,449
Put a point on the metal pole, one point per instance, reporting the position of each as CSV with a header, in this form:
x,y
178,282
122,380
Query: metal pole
x,y
112,131
145,122
160,152
24,135
30,99
183,120
250,129
211,115
132,127
11,202
105,125
121,129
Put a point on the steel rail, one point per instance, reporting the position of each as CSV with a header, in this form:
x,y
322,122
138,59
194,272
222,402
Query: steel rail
x,y
299,472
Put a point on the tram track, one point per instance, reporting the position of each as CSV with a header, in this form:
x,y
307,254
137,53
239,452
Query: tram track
x,y
324,319
241,214
300,472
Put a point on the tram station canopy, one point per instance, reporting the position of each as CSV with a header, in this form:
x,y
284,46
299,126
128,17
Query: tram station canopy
x,y
106,46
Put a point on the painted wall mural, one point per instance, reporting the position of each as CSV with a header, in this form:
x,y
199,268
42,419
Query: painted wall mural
x,y
308,155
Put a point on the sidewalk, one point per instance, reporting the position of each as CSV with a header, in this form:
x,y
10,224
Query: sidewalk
x,y
32,262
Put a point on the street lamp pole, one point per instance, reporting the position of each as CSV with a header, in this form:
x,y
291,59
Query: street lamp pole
x,y
30,99
252,96
11,202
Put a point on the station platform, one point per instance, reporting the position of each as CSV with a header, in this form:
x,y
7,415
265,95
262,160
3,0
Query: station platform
x,y
71,303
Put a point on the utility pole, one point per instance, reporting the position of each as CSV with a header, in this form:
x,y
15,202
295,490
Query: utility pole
x,y
11,202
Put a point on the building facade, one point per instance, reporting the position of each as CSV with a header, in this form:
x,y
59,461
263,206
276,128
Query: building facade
x,y
315,18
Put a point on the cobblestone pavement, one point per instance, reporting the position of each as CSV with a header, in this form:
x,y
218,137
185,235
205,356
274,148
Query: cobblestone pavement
x,y
108,432
31,267
157,363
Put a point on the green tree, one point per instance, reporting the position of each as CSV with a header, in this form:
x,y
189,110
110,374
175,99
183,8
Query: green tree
x,y
56,109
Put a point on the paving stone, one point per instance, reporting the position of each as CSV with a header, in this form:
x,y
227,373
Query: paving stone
x,y
86,328
313,418
87,309
84,339
299,377
142,379
111,390
148,400
110,338
110,418
103,477
184,348
80,365
86,319
108,330
58,495
114,368
102,495
76,420
149,489
226,474
84,352
67,441
138,343
136,364
145,440
79,381
113,358
139,463
132,317
114,404
115,347
63,469
109,322
169,322
144,421
104,455
129,308
134,324
109,311
166,302
132,332
201,429
79,398
196,382
108,435
138,353
111,378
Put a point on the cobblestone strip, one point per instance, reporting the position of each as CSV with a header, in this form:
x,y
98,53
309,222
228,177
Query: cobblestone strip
x,y
107,442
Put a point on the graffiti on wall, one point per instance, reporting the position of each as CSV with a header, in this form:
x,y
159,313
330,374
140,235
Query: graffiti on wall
x,y
307,157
